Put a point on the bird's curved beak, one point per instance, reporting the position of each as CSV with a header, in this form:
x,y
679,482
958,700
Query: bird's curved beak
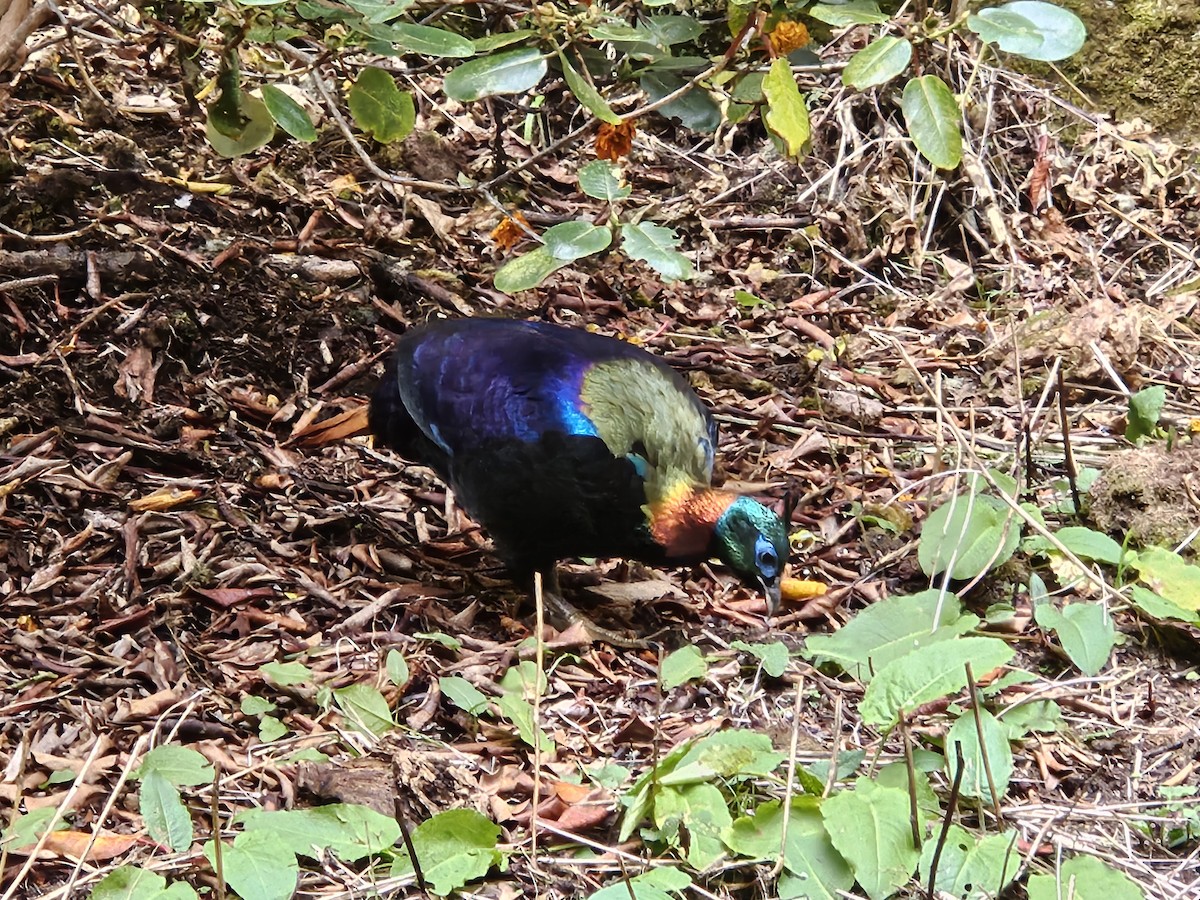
x,y
771,589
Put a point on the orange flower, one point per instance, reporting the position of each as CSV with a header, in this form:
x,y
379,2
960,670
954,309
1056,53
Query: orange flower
x,y
788,36
511,231
615,141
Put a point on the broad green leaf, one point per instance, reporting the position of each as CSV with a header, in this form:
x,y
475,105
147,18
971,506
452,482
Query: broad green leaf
x,y
602,179
703,810
256,706
519,711
1085,631
166,818
726,754
380,108
258,865
350,830
786,115
270,729
573,240
1145,409
1012,33
968,535
681,666
435,42
463,694
694,109
286,674
503,39
890,629
1158,607
809,855
773,657
895,775
929,673
856,12
527,271
655,246
1085,543
639,799
1034,715
365,708
27,829
616,31
397,668
255,128
748,88
650,885
511,72
971,867
869,826
1170,576
133,883
1084,878
1062,31
288,114
181,766
453,847
877,63
995,750
932,116
586,94
669,30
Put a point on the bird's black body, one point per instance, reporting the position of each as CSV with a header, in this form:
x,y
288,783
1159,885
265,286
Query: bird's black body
x,y
564,443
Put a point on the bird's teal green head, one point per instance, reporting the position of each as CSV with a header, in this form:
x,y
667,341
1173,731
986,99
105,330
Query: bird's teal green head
x,y
752,540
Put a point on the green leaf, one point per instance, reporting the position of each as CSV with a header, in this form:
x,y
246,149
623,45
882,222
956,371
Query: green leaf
x,y
1084,878
286,674
288,114
1167,574
527,271
1062,31
929,673
890,629
573,240
519,711
1085,631
971,867
703,810
995,750
1012,33
166,818
133,883
681,666
932,116
737,753
773,657
869,826
1085,543
511,72
786,115
877,63
380,108
655,245
586,94
254,127
968,535
602,179
454,847
856,12
181,766
270,729
349,830
427,41
440,637
694,109
397,668
1145,409
504,39
27,829
258,865
1034,715
1158,607
256,706
808,855
463,694
365,708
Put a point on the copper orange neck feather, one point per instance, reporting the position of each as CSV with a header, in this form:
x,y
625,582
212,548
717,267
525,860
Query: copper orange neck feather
x,y
683,520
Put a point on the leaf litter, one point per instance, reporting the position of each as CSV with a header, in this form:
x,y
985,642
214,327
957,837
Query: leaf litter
x,y
185,502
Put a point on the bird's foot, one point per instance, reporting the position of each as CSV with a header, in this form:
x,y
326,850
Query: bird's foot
x,y
563,615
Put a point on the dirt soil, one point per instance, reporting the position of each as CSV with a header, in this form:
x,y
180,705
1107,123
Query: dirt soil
x,y
175,328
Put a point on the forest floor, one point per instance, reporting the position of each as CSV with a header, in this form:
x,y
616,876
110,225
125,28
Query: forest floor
x,y
175,327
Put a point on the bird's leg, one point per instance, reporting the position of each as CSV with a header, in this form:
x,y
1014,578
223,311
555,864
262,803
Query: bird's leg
x,y
563,615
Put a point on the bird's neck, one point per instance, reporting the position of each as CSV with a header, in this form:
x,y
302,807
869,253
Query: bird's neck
x,y
684,520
